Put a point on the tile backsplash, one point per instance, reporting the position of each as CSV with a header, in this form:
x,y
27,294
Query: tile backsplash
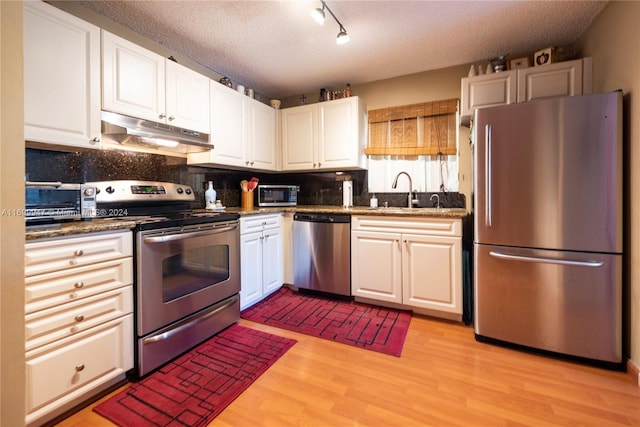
x,y
316,188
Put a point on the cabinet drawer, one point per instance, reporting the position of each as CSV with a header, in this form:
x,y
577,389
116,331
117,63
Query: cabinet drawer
x,y
50,289
259,223
430,226
59,254
45,326
69,369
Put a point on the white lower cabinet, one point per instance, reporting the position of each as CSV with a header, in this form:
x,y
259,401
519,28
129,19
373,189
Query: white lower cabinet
x,y
261,257
412,262
78,319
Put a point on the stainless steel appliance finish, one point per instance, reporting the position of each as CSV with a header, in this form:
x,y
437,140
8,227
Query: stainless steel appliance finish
x,y
47,202
187,288
278,195
548,225
132,131
322,252
187,279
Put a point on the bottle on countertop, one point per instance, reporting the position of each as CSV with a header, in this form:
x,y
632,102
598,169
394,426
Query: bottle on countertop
x,y
347,91
210,196
374,201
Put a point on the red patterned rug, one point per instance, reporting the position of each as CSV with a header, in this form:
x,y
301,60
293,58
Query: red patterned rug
x,y
197,386
362,325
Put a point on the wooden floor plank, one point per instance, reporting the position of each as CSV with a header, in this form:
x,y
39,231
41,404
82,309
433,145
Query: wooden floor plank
x,y
444,378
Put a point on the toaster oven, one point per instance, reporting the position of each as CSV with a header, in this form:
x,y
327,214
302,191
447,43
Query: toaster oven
x,y
56,201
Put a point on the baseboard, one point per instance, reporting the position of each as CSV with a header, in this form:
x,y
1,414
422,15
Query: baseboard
x,y
633,372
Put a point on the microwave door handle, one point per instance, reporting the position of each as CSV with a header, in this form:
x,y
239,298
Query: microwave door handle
x,y
182,236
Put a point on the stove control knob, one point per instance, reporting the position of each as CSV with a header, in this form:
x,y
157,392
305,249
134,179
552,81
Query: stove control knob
x,y
179,190
89,192
110,190
188,191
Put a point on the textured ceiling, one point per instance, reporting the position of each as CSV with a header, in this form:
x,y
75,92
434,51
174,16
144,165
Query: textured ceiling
x,y
276,48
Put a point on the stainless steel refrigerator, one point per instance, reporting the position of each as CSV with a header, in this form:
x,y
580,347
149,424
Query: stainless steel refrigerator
x,y
548,225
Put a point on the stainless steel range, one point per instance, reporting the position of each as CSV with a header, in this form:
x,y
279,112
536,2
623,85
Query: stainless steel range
x,y
187,266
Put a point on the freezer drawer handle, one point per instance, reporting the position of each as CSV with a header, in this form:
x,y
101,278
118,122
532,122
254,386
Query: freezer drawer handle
x,y
546,260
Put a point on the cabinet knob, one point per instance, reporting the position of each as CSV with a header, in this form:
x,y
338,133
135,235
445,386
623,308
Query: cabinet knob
x,y
79,318
319,164
252,163
78,285
246,162
79,252
80,367
171,118
95,140
162,115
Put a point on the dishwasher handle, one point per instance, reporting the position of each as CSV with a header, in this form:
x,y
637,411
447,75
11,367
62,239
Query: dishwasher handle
x,y
320,217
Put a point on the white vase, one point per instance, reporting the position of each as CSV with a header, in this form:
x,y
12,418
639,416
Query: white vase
x,y
210,196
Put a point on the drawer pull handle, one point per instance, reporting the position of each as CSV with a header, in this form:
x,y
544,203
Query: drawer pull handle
x,y
79,252
79,318
80,367
78,285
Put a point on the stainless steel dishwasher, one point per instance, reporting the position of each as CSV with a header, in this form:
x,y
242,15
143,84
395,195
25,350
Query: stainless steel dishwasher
x,y
322,252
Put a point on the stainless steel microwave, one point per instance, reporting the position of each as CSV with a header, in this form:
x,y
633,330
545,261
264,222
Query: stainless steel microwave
x,y
56,201
278,195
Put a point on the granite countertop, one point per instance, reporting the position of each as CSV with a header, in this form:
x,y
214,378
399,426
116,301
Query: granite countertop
x,y
76,227
100,224
358,210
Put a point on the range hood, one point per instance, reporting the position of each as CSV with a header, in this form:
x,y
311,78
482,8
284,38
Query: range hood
x,y
127,130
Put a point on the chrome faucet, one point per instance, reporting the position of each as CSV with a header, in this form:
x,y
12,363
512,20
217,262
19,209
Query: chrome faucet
x,y
395,184
437,200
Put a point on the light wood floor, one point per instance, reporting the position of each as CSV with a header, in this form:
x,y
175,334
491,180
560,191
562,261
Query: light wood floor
x,y
444,378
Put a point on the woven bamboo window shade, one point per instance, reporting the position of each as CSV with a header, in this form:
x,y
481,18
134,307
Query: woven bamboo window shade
x,y
424,129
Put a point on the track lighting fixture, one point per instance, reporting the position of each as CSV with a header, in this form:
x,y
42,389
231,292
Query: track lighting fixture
x,y
318,16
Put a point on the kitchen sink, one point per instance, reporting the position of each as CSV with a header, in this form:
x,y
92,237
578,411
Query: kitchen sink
x,y
399,210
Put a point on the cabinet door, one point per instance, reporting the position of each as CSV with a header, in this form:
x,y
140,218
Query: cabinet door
x,y
299,138
261,151
338,139
486,91
228,130
67,370
272,262
187,97
376,266
432,272
61,77
560,79
133,79
251,265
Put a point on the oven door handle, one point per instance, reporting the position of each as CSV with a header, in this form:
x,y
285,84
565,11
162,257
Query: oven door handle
x,y
182,236
169,333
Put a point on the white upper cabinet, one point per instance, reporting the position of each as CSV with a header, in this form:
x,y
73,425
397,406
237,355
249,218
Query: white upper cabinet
x,y
61,78
567,78
300,138
261,152
142,84
243,132
488,90
324,136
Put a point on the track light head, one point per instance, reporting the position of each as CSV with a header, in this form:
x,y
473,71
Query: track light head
x,y
343,37
318,15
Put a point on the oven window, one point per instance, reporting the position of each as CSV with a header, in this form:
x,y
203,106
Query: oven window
x,y
193,270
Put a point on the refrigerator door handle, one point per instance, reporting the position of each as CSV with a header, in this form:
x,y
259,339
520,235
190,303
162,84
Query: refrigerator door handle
x,y
487,176
501,255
